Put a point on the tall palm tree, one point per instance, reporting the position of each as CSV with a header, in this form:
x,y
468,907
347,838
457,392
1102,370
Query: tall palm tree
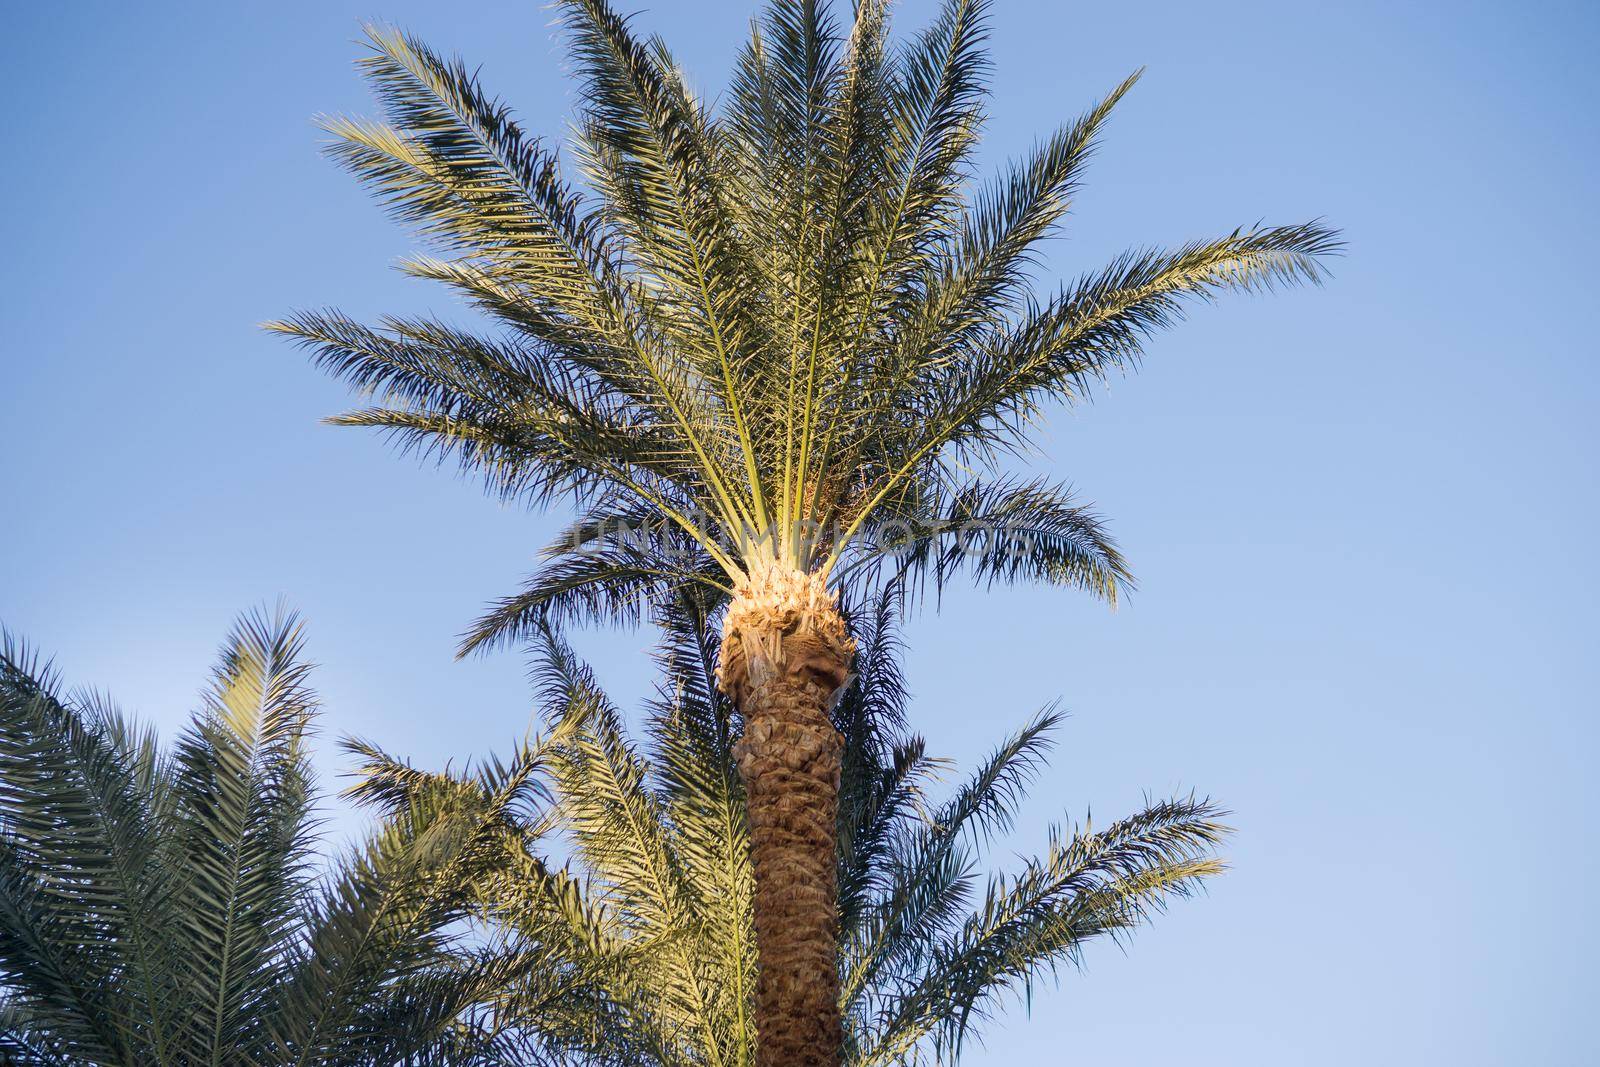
x,y
646,929
161,908
756,344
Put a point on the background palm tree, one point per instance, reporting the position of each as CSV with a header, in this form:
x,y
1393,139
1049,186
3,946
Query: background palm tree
x,y
646,931
761,342
161,908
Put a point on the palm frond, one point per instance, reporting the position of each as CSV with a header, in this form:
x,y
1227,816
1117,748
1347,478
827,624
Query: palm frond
x,y
1087,885
243,791
83,878
990,256
454,162
619,827
646,144
611,567
1000,531
884,769
931,868
1097,326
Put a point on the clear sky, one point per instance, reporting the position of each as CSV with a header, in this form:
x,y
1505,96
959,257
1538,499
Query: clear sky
x,y
1363,517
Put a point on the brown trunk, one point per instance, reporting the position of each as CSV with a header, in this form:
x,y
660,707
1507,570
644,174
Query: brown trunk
x,y
785,655
789,760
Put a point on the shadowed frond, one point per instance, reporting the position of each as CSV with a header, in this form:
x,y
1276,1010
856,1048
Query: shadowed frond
x,y
162,909
931,864
610,567
84,870
999,531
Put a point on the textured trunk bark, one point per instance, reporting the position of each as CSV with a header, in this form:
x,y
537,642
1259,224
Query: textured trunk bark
x,y
785,656
789,760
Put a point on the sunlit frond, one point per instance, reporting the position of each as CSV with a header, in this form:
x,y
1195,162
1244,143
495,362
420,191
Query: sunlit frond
x,y
243,793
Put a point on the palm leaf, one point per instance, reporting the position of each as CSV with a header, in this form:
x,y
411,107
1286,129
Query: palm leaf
x,y
83,878
242,786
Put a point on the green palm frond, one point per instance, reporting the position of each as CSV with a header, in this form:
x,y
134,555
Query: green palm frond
x,y
885,771
243,789
1086,886
930,865
999,531
83,877
454,163
703,803
25,1038
1096,326
383,927
612,566
621,830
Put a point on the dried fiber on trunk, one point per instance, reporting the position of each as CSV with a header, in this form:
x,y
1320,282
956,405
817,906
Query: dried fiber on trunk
x,y
783,621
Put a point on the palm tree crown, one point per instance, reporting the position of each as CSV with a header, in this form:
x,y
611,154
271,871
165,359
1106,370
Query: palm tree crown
x,y
768,337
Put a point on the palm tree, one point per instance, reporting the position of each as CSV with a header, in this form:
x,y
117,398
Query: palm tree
x,y
758,344
646,930
161,908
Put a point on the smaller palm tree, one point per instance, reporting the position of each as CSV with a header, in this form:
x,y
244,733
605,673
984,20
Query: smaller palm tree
x,y
161,907
646,936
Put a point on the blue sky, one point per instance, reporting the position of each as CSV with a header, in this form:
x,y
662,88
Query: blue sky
x,y
1362,517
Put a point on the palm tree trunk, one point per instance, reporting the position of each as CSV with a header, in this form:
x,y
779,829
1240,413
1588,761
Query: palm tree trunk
x,y
789,760
785,657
